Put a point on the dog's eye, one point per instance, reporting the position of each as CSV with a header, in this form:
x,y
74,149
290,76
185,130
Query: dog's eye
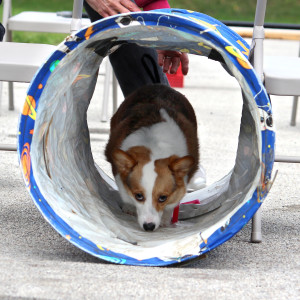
x,y
162,198
139,197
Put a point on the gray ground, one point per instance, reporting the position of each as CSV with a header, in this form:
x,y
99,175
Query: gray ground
x,y
36,262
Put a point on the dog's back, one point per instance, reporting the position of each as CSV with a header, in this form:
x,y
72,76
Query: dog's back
x,y
143,109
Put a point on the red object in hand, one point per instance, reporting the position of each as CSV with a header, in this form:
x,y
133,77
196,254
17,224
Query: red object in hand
x,y
176,80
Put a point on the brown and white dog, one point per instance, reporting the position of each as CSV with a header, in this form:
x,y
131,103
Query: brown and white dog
x,y
153,149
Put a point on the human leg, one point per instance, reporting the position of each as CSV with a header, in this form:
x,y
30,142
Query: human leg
x,y
134,66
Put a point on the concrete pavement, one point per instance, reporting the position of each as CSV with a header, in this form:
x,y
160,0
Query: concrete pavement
x,y
37,263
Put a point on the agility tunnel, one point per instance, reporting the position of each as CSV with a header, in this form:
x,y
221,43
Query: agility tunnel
x,y
82,202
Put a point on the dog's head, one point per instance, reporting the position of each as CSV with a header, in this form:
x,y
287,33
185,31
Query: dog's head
x,y
151,185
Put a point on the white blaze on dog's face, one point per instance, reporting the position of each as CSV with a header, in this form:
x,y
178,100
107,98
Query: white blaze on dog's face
x,y
151,185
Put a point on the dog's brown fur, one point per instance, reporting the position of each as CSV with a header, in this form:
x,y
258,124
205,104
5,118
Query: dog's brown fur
x,y
141,109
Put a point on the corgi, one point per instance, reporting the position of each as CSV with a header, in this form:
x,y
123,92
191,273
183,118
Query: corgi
x,y
154,152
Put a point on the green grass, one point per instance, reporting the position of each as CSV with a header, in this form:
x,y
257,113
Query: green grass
x,y
278,11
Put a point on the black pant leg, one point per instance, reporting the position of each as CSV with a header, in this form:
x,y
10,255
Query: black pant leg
x,y
134,66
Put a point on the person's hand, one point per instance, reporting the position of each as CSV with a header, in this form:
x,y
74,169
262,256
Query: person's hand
x,y
170,61
106,8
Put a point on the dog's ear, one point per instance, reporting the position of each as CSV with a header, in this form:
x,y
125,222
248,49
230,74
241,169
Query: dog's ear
x,y
181,166
123,161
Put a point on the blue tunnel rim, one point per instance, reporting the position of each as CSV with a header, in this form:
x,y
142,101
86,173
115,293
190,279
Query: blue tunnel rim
x,y
27,121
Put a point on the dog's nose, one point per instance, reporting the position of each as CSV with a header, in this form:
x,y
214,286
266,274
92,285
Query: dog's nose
x,y
149,226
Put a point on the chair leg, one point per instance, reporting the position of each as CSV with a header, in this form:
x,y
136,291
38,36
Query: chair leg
x,y
256,236
115,92
11,96
8,38
1,85
294,111
7,147
107,77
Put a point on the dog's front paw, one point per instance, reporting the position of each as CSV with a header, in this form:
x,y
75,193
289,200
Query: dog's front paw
x,y
198,181
165,223
129,209
166,219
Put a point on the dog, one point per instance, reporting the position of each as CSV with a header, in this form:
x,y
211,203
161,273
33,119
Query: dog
x,y
153,149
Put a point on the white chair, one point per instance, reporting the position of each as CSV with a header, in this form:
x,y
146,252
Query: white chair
x,y
40,22
281,76
51,22
19,62
35,22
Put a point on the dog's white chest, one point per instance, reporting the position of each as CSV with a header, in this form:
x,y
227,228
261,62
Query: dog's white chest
x,y
163,139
